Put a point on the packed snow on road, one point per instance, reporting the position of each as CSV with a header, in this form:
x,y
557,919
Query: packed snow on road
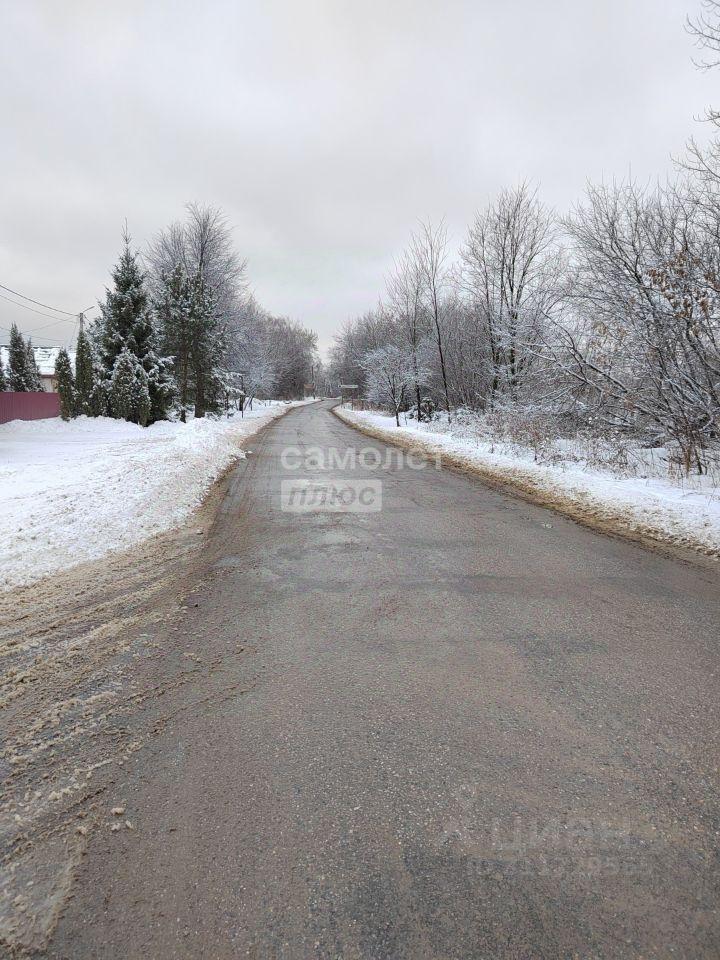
x,y
682,510
74,491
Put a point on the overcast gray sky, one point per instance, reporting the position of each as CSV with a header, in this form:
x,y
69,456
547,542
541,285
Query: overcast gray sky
x,y
325,129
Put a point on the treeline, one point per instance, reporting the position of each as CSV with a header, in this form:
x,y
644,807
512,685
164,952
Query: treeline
x,y
179,333
606,320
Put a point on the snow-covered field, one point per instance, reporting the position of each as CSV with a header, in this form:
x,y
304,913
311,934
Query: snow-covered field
x,y
74,491
681,513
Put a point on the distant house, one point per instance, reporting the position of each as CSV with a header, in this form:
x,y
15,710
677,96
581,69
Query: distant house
x,y
45,358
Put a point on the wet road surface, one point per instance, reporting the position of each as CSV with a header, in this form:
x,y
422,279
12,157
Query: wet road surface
x,y
459,726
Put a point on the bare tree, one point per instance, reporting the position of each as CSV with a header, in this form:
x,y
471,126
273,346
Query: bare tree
x,y
356,339
390,373
429,250
705,30
704,161
405,301
512,271
646,337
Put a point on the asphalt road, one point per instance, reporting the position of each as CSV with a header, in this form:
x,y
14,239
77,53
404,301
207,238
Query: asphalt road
x,y
459,726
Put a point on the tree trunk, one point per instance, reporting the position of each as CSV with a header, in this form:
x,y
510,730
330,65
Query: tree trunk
x,y
444,374
199,392
441,354
184,387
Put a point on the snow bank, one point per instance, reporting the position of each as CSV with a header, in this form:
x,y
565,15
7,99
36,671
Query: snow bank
x,y
71,492
646,506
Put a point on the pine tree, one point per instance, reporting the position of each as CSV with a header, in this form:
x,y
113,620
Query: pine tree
x,y
32,374
127,326
65,385
17,361
86,398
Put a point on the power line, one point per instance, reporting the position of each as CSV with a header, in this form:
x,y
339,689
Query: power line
x,y
40,329
38,312
34,330
52,340
68,313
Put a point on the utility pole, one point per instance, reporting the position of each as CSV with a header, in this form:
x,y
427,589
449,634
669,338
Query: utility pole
x,y
81,319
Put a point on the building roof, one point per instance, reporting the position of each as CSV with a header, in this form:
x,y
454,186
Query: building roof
x,y
45,358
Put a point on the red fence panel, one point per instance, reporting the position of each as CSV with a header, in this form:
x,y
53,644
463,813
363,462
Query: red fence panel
x,y
28,406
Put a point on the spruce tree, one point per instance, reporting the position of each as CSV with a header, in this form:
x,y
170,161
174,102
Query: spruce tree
x,y
188,311
129,393
176,315
127,326
17,361
141,403
32,374
86,398
207,347
101,397
65,385
121,386
3,378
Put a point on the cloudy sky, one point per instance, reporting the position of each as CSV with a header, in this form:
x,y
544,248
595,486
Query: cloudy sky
x,y
324,128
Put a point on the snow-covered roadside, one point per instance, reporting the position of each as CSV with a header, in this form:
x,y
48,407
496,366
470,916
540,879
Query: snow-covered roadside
x,y
71,492
648,507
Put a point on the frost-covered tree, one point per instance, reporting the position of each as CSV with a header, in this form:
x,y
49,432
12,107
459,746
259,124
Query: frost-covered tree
x,y
174,306
405,290
645,341
127,326
194,338
218,336
390,377
271,355
3,378
129,390
429,251
86,395
141,401
65,384
17,362
513,276
32,374
294,353
198,252
208,346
